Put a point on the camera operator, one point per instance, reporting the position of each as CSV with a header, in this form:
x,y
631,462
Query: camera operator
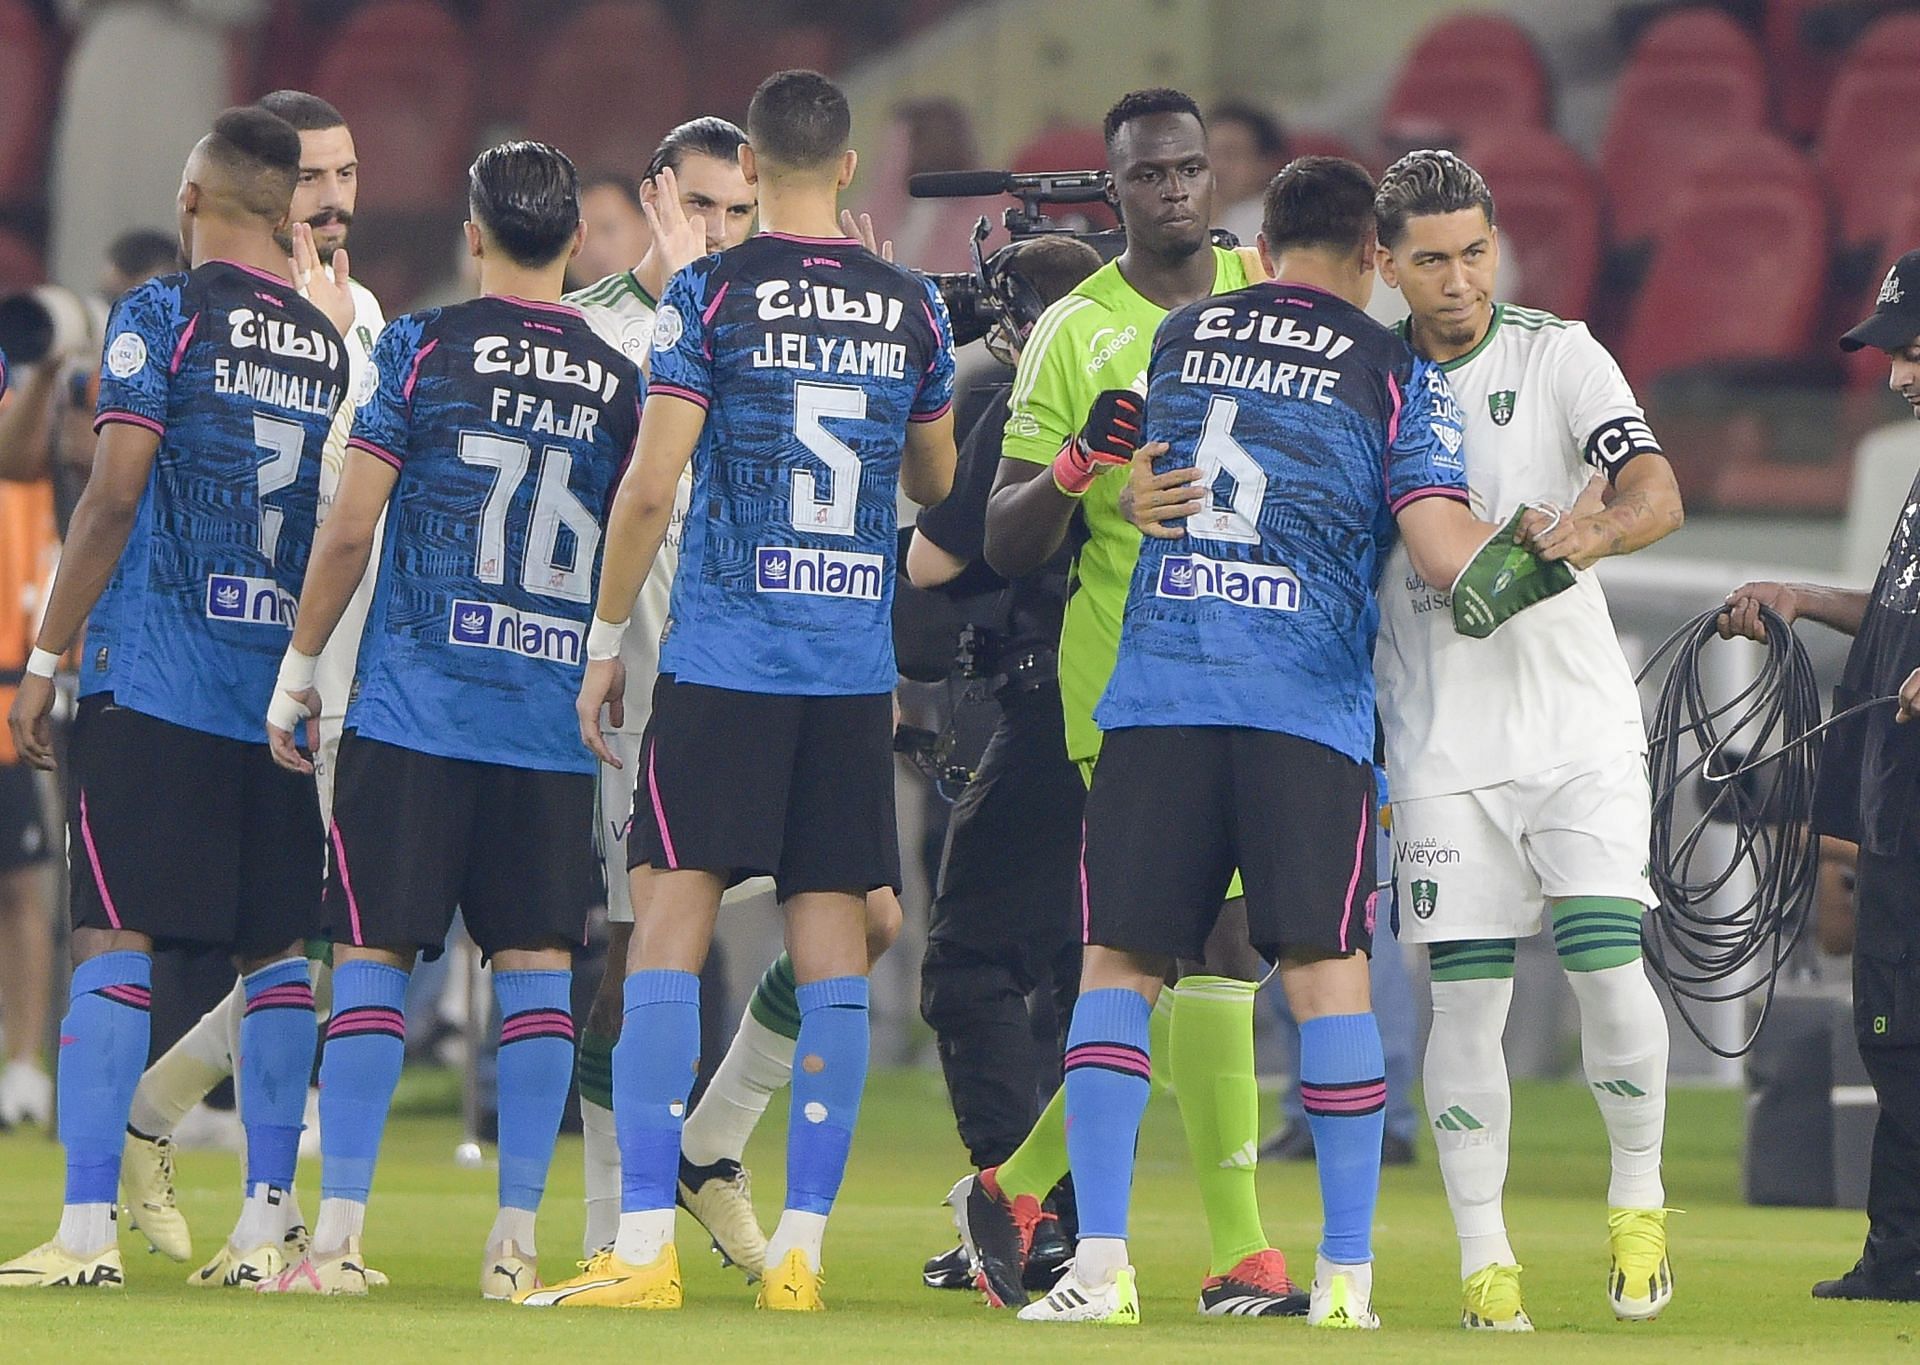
x,y
53,338
1869,793
1004,925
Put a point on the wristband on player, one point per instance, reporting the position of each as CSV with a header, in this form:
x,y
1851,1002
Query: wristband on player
x,y
284,710
603,639
1108,439
42,663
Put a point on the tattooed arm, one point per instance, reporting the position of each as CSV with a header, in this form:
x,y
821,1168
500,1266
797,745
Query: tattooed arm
x,y
1645,506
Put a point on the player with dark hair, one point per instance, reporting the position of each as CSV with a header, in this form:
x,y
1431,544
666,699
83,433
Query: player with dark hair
x,y
1523,754
183,559
269,1237
809,381
491,443
1057,480
1248,148
1239,720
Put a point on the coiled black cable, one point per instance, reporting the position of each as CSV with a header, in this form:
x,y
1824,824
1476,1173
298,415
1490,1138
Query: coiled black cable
x,y
1701,950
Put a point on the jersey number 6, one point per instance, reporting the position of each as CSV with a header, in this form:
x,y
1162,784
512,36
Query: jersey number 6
x,y
1218,453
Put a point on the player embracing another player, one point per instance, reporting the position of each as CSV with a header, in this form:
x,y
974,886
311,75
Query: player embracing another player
x,y
808,381
1517,761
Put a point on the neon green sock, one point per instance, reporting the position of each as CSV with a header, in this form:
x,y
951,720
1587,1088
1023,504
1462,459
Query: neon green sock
x,y
1211,1060
1160,1042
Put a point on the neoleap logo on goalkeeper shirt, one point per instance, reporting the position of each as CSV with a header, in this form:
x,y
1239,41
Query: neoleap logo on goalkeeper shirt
x,y
1271,587
819,573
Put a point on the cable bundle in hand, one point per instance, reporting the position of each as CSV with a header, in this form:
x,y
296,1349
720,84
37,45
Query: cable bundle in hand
x,y
1703,950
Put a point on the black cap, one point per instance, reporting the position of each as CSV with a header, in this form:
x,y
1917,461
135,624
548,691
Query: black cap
x,y
1896,312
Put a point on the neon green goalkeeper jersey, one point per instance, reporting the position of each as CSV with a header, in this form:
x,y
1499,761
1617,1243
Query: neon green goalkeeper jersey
x,y
1098,337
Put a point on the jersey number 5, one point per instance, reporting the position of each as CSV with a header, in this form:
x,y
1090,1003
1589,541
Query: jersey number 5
x,y
1218,453
554,507
833,514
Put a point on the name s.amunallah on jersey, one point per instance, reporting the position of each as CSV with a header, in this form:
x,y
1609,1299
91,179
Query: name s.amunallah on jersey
x,y
1314,426
810,356
509,422
240,377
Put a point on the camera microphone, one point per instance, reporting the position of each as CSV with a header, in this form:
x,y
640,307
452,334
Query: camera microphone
x,y
1041,187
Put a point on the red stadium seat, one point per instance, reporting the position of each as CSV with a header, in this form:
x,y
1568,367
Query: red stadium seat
x,y
1872,124
1547,201
735,48
1468,74
1802,72
1751,213
28,68
1694,78
1068,147
20,264
1320,142
609,85
402,73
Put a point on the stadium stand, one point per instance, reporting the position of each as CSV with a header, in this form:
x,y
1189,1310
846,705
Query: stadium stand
x,y
1489,55
1872,123
28,68
594,51
1548,203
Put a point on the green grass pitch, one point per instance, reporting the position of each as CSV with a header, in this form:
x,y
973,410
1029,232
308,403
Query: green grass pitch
x,y
1742,1273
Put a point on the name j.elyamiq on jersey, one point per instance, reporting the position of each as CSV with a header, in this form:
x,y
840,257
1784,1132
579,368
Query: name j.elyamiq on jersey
x,y
822,354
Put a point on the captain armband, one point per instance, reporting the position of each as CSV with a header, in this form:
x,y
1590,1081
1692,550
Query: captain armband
x,y
1615,442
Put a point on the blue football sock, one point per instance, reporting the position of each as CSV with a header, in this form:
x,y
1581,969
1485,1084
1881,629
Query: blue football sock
x,y
103,1050
829,1075
1108,1079
653,1068
366,1043
1343,1087
536,1068
278,1034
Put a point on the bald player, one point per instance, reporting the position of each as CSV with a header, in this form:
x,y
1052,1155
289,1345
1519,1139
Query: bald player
x,y
183,562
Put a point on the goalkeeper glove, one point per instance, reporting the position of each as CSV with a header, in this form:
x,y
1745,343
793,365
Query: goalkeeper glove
x,y
1109,438
1504,578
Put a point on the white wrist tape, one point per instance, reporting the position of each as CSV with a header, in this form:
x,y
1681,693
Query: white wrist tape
x,y
42,663
603,639
296,671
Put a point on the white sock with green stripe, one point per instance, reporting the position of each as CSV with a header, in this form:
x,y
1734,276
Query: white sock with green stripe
x,y
1470,1108
1623,1048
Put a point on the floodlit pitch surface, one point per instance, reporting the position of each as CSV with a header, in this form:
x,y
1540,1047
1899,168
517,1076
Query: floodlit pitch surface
x,y
1742,1273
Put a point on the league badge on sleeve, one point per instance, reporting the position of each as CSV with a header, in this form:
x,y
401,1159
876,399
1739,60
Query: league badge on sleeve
x,y
1500,406
667,327
127,356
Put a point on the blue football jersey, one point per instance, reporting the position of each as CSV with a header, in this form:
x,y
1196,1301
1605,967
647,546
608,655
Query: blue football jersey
x,y
509,422
3,374
1314,425
810,356
240,377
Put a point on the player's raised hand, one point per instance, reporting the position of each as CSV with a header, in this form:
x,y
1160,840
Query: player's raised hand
x,y
31,721
287,713
1741,615
862,228
324,284
681,236
1107,439
1154,502
605,684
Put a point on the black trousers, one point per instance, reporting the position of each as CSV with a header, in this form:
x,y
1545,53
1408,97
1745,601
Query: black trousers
x,y
1886,1014
1002,968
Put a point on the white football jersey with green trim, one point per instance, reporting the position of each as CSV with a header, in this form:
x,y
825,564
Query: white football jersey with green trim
x,y
333,675
621,311
1546,410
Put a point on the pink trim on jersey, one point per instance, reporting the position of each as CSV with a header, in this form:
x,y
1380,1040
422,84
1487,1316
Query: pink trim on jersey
x,y
933,416
1086,902
186,340
1457,494
1302,284
1353,882
660,813
675,391
541,304
378,452
413,370
346,885
706,314
266,275
812,241
125,418
1393,421
93,860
